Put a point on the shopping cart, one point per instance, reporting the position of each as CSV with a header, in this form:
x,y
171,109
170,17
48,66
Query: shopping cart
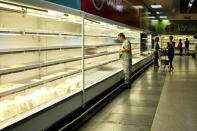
x,y
163,53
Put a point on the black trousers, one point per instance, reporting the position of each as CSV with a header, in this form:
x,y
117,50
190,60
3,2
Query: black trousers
x,y
156,58
180,51
171,57
186,51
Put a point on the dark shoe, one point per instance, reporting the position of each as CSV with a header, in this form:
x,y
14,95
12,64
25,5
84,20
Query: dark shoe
x,y
171,69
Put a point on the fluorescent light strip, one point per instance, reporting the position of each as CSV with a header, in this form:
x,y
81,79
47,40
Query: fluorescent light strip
x,y
10,6
73,21
47,35
44,16
71,36
158,13
150,17
126,29
102,23
30,13
50,35
10,34
163,17
51,12
50,15
138,7
147,13
154,20
156,6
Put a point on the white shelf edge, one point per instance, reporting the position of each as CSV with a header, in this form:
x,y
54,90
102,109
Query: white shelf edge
x,y
31,49
38,65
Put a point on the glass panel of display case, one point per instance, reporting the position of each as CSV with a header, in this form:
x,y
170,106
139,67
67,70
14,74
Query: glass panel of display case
x,y
40,58
101,50
146,45
135,45
101,41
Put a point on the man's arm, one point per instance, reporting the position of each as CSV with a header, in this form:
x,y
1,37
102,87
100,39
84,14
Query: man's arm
x,y
128,49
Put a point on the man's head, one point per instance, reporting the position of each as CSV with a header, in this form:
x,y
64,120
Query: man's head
x,y
157,39
187,39
180,40
121,37
171,38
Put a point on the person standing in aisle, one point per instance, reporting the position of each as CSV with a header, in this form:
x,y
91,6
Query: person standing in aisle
x,y
126,58
187,47
170,46
156,49
180,46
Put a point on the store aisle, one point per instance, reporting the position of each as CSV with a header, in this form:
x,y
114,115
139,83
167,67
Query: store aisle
x,y
134,109
178,103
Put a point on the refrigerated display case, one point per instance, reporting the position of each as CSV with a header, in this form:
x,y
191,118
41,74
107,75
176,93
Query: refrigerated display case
x,y
53,60
40,59
104,45
165,38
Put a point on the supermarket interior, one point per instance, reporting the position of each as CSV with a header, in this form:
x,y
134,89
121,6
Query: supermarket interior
x,y
61,68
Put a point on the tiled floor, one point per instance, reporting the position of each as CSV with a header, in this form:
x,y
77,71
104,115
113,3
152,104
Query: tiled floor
x,y
137,109
177,109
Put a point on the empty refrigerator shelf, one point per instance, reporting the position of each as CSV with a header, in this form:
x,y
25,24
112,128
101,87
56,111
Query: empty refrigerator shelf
x,y
34,49
20,67
49,78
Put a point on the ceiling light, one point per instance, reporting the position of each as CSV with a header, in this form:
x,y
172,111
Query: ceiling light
x,y
192,1
154,20
156,6
158,13
151,17
163,17
147,13
190,4
138,7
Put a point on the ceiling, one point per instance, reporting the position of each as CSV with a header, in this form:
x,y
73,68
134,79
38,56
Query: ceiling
x,y
174,9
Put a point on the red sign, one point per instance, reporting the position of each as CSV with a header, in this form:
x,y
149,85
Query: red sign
x,y
123,11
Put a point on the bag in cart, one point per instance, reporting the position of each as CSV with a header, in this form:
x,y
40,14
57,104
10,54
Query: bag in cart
x,y
165,62
163,52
